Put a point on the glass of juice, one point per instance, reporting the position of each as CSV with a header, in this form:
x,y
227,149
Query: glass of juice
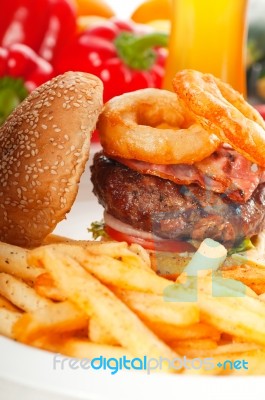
x,y
209,36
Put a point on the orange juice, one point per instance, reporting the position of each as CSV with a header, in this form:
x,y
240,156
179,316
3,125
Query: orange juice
x,y
209,36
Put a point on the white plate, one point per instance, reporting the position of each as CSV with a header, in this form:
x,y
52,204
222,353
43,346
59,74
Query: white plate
x,y
29,374
85,209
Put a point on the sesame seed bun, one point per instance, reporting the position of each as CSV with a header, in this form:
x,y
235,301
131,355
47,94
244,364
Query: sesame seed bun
x,y
44,146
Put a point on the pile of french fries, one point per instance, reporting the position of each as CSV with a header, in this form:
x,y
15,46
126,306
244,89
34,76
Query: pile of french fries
x,y
87,299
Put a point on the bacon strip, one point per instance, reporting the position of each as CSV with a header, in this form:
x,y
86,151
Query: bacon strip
x,y
225,171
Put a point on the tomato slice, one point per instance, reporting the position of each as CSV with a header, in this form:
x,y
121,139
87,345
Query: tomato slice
x,y
174,246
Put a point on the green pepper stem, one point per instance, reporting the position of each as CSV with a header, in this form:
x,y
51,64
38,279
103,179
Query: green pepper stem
x,y
137,51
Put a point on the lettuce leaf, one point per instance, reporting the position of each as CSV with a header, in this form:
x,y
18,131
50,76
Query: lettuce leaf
x,y
245,245
97,228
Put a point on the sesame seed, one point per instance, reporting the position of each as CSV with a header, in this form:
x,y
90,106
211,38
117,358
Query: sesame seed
x,y
254,167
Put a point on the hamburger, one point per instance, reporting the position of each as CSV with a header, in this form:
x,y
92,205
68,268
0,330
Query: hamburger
x,y
171,208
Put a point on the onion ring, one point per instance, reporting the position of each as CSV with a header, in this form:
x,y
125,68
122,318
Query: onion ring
x,y
223,111
130,126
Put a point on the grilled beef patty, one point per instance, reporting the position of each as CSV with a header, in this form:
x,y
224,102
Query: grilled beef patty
x,y
173,211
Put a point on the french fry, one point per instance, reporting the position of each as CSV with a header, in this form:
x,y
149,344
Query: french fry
x,y
116,250
234,348
45,287
195,347
233,316
142,253
13,260
253,277
232,294
80,347
131,254
262,297
95,299
153,308
209,348
8,319
56,317
108,270
56,239
237,314
4,303
20,294
99,334
171,334
83,348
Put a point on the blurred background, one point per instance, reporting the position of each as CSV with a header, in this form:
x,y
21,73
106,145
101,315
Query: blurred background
x,y
124,43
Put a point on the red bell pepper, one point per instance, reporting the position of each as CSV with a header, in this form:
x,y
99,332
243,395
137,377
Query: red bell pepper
x,y
120,53
43,25
21,71
261,109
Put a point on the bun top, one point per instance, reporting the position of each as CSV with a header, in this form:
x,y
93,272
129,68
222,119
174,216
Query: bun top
x,y
44,146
